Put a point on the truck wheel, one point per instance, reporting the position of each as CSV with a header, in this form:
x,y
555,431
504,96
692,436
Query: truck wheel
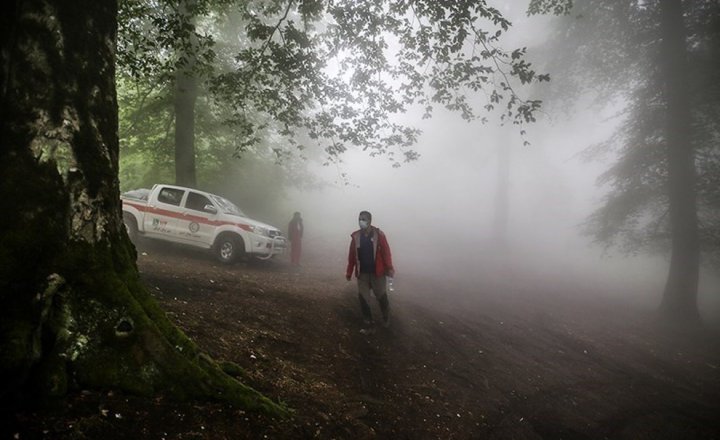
x,y
229,248
131,227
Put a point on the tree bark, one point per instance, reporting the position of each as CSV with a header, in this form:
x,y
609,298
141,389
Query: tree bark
x,y
75,313
680,295
185,98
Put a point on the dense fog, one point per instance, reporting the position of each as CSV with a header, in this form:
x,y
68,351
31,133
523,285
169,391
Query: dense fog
x,y
439,212
481,204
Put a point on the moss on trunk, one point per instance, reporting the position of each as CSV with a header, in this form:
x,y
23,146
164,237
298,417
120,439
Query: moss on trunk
x,y
76,314
102,329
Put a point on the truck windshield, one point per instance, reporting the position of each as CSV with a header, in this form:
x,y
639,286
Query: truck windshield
x,y
227,206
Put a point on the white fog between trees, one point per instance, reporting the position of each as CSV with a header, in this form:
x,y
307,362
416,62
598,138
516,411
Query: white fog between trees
x,y
479,200
440,212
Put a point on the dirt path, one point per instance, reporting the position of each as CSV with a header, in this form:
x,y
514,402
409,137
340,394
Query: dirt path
x,y
477,361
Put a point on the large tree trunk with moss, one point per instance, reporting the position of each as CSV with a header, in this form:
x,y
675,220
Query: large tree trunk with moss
x,y
74,311
680,296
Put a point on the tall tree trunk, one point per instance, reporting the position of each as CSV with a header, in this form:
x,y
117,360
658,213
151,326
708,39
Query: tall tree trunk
x,y
680,296
185,98
74,311
502,194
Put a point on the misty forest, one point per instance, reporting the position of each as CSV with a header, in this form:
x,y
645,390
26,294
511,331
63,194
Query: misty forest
x,y
368,219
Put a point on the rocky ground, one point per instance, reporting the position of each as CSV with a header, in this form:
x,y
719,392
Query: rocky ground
x,y
460,360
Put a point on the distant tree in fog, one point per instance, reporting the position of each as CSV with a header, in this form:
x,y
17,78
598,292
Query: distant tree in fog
x,y
334,74
662,58
172,128
171,57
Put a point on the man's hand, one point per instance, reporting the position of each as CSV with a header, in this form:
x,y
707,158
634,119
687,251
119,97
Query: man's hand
x,y
348,277
390,273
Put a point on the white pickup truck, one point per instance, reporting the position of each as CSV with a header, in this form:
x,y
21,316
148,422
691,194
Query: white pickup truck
x,y
200,219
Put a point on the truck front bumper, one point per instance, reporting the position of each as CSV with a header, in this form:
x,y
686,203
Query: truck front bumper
x,y
266,247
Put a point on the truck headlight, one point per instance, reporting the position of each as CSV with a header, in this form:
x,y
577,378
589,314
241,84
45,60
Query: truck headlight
x,y
261,231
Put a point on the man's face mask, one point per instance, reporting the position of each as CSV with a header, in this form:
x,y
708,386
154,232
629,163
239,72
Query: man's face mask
x,y
363,223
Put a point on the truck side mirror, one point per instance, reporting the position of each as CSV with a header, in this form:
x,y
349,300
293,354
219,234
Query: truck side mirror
x,y
210,208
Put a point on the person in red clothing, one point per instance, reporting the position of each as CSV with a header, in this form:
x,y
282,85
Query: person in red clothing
x,y
295,233
369,257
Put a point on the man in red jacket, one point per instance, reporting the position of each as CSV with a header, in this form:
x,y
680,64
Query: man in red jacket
x,y
369,257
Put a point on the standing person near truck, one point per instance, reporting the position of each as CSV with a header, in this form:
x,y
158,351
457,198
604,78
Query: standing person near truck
x,y
295,234
369,257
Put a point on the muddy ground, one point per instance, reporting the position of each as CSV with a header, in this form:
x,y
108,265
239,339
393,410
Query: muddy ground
x,y
461,360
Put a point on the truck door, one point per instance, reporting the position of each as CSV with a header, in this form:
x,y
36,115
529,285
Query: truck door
x,y
162,216
198,220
